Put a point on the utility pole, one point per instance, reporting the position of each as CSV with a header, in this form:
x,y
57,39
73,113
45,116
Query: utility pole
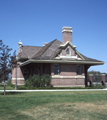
x,y
16,73
16,77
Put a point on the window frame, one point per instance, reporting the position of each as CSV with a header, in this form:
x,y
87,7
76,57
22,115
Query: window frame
x,y
79,69
56,67
68,52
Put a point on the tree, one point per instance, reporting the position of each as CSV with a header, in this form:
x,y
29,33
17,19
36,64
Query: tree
x,y
13,64
5,64
97,76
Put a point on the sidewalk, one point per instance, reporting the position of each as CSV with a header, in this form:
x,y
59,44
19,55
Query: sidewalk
x,y
54,90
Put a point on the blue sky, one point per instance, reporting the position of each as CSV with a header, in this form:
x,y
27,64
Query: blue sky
x,y
37,21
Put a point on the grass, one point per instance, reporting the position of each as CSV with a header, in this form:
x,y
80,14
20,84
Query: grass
x,y
54,106
7,87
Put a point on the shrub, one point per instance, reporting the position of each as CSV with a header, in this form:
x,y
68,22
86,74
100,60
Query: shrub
x,y
92,86
97,86
21,87
9,82
37,81
45,80
33,81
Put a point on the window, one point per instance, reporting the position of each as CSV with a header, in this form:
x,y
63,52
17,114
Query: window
x,y
67,51
78,69
56,69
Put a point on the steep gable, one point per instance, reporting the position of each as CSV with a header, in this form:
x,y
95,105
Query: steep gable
x,y
67,51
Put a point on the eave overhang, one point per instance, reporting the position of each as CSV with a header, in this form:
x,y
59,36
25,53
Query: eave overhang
x,y
60,61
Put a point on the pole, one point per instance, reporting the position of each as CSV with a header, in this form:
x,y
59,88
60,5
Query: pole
x,y
16,78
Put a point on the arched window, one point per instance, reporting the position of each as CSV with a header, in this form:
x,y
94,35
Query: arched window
x,y
67,51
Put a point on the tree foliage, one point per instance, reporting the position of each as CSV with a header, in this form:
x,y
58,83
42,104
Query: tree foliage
x,y
5,65
5,62
97,76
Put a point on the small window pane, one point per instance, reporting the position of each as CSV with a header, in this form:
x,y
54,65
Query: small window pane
x,y
67,51
56,69
78,69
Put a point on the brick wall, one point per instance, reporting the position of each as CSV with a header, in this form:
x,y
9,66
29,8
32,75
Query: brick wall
x,y
20,78
67,76
67,36
68,82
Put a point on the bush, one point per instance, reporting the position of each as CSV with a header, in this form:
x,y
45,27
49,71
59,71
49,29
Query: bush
x,y
33,81
97,86
21,87
37,81
9,82
45,80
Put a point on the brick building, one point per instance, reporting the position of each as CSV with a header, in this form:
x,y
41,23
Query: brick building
x,y
61,60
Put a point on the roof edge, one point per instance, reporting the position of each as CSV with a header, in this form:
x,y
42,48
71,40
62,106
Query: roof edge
x,y
59,61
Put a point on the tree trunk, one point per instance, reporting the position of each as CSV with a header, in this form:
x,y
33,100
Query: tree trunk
x,y
4,88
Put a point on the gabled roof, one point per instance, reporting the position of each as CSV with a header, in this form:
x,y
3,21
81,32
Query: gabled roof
x,y
28,51
60,48
48,53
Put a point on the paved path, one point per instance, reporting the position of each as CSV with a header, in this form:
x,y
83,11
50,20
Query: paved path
x,y
54,90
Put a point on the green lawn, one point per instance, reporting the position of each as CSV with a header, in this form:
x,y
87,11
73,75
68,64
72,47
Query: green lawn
x,y
54,106
7,87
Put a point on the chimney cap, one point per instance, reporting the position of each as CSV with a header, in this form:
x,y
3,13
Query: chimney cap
x,y
67,29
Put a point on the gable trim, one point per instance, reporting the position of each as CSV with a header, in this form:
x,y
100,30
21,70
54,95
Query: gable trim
x,y
66,44
79,55
62,46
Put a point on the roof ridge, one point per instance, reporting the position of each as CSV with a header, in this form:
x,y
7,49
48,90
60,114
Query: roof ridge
x,y
47,45
30,46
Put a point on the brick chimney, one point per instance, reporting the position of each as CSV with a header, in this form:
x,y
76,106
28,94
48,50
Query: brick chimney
x,y
67,34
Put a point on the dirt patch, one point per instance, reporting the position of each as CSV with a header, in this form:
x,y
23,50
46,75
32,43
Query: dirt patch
x,y
67,111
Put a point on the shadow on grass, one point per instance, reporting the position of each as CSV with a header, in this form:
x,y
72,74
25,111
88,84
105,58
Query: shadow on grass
x,y
11,93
